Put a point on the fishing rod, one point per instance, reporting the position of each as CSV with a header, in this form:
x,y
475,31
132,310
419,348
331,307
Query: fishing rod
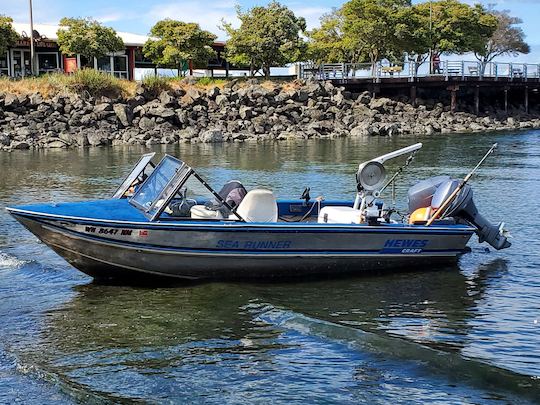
x,y
449,200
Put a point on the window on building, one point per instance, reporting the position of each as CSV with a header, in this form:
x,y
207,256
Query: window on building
x,y
86,63
4,70
47,62
120,64
104,64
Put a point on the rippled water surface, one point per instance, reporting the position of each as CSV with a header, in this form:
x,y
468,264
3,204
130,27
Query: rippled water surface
x,y
464,334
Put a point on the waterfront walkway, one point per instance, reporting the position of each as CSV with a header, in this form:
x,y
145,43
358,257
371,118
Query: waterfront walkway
x,y
451,76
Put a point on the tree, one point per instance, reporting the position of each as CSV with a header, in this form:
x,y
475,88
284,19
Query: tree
x,y
8,35
368,27
87,37
457,27
445,26
176,42
268,36
506,40
326,42
413,34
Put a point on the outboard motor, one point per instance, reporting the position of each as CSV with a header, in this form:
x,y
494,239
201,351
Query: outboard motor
x,y
436,190
463,207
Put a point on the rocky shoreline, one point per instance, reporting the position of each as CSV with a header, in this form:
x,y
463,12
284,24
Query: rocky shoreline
x,y
238,111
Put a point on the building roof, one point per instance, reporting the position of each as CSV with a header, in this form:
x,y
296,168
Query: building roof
x,y
49,31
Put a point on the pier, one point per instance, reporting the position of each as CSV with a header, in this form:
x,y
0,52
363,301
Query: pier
x,y
507,83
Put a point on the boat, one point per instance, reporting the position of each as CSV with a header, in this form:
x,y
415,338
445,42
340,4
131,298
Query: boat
x,y
151,228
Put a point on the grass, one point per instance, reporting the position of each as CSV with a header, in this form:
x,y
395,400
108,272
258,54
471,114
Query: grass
x,y
86,82
90,82
157,84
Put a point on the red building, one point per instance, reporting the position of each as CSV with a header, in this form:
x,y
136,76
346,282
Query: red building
x,y
128,64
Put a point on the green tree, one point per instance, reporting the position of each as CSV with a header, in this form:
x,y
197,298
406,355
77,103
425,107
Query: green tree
x,y
268,36
326,44
457,27
368,27
8,35
506,40
176,42
445,26
87,37
413,35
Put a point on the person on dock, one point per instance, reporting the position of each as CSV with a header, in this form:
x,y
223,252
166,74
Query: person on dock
x,y
436,64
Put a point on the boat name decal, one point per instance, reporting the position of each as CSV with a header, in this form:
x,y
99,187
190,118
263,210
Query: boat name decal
x,y
267,244
404,246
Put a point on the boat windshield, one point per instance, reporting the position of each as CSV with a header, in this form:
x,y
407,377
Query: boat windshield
x,y
161,186
137,175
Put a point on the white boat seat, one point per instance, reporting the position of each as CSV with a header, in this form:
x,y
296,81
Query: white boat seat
x,y
258,205
339,215
201,212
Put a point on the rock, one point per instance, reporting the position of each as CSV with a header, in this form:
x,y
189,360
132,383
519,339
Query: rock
x,y
147,124
364,98
11,101
103,107
360,130
188,133
189,80
167,98
124,114
4,140
476,127
20,145
161,111
212,93
211,136
245,112
35,99
382,104
57,144
67,138
192,96
301,96
95,139
221,100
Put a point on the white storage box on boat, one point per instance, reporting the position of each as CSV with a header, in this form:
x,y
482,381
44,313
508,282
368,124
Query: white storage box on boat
x,y
339,215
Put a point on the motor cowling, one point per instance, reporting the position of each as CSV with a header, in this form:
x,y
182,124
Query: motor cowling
x,y
464,208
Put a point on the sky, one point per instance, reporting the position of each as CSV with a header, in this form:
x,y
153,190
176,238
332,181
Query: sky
x,y
138,16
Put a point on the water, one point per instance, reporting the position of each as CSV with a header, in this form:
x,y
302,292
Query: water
x,y
464,334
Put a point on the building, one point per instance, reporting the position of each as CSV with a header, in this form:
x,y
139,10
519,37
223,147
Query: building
x,y
128,64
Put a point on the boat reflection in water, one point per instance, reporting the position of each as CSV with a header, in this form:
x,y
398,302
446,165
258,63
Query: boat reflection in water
x,y
149,344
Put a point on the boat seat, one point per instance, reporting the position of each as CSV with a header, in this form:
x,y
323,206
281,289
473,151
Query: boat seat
x,y
339,215
258,205
202,212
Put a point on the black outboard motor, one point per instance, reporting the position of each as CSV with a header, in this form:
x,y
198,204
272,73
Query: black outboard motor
x,y
462,207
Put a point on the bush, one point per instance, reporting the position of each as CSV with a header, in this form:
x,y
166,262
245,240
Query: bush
x,y
156,84
95,83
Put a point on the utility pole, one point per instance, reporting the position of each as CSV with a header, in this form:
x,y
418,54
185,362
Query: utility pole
x,y
430,37
32,50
